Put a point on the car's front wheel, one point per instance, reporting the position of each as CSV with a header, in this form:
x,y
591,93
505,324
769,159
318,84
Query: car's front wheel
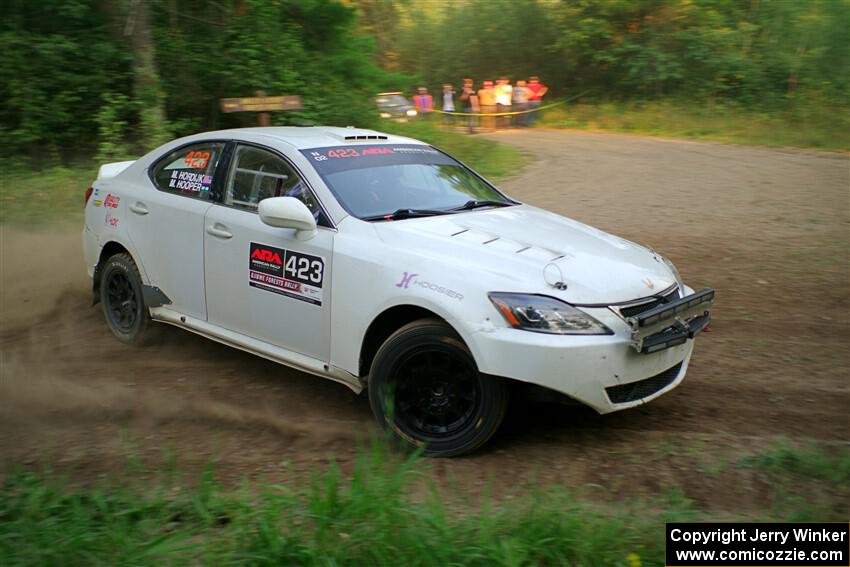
x,y
122,299
425,387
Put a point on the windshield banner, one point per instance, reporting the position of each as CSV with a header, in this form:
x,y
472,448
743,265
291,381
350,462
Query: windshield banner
x,y
342,158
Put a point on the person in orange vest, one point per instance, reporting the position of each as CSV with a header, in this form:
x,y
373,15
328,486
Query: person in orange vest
x,y
487,102
423,101
504,100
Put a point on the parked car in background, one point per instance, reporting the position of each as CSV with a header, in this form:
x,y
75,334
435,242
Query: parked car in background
x,y
394,105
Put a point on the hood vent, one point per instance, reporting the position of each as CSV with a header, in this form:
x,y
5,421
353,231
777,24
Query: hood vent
x,y
366,137
484,238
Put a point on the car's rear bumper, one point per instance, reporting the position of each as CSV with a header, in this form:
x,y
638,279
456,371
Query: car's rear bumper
x,y
604,372
90,249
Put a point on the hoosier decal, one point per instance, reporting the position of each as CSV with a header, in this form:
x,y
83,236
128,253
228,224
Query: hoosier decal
x,y
286,272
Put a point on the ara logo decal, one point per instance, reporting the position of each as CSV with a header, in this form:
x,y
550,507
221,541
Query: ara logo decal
x,y
266,256
405,280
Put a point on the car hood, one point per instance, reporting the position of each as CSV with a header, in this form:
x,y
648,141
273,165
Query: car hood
x,y
523,248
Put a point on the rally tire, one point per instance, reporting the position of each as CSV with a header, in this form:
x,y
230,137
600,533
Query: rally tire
x,y
425,388
123,301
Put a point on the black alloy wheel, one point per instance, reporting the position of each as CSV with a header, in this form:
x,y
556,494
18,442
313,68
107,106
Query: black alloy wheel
x,y
436,393
122,299
424,387
122,305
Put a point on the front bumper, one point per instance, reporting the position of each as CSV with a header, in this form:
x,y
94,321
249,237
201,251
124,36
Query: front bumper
x,y
605,372
671,323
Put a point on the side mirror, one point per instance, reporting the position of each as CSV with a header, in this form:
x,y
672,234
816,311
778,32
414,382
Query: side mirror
x,y
288,212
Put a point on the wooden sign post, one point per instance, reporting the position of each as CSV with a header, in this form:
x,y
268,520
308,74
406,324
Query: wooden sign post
x,y
262,104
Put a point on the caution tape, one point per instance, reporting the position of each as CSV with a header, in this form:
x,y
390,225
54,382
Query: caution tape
x,y
538,109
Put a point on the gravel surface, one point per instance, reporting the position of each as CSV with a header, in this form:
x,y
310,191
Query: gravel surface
x,y
767,228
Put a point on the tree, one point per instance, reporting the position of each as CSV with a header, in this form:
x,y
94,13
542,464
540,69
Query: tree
x,y
146,84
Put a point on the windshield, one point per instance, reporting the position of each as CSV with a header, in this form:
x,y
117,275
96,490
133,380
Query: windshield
x,y
369,181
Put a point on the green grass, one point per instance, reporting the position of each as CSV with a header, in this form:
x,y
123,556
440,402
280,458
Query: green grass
x,y
369,519
38,198
384,512
56,194
784,461
806,480
806,126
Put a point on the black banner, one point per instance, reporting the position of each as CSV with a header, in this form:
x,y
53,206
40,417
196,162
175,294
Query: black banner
x,y
758,545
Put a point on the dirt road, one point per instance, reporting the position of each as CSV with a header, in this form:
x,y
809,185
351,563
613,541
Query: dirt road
x,y
767,228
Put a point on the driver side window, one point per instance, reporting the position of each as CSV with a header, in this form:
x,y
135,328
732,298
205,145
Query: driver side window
x,y
258,174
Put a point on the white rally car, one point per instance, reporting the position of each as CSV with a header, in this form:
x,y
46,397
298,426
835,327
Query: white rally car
x,y
383,263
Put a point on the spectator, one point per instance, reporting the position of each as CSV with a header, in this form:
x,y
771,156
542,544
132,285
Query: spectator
x,y
469,101
536,92
423,101
504,96
448,102
487,101
520,100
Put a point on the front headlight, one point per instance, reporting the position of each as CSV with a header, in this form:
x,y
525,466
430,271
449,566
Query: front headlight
x,y
411,113
543,314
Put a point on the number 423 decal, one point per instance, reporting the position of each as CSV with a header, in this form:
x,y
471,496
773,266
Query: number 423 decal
x,y
302,268
297,275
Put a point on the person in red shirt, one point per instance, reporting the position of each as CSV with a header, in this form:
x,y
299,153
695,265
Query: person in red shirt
x,y
536,92
423,101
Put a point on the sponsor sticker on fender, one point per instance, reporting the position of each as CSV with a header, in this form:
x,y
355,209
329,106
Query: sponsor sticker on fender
x,y
286,272
111,201
409,279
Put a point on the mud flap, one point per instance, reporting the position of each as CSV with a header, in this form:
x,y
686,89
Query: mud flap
x,y
154,297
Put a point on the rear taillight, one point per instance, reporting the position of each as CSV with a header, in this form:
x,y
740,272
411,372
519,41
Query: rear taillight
x,y
89,191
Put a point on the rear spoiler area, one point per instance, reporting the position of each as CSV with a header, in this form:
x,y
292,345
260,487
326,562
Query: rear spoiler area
x,y
109,170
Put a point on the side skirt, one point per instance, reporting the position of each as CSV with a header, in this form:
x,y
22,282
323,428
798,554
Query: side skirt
x,y
277,354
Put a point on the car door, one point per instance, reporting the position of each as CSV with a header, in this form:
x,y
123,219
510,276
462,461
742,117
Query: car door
x,y
262,281
165,223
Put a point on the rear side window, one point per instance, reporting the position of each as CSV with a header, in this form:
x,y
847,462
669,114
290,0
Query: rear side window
x,y
188,171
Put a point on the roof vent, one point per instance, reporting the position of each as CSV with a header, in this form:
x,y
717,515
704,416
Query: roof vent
x,y
366,137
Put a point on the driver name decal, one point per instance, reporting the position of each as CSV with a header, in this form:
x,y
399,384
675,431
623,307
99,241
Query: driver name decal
x,y
189,181
286,272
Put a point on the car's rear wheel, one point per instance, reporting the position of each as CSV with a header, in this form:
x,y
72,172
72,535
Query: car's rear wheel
x,y
122,299
425,387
